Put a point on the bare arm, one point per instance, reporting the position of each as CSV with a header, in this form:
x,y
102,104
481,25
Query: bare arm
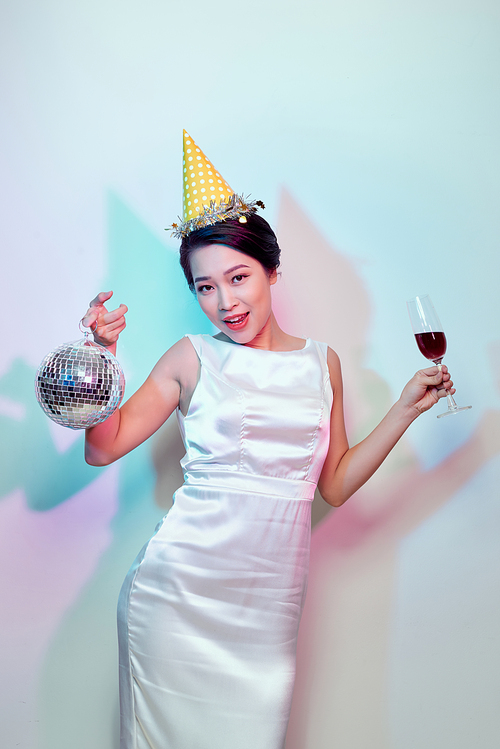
x,y
169,384
145,411
347,469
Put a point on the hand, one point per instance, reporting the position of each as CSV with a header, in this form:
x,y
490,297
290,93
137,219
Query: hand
x,y
106,326
426,387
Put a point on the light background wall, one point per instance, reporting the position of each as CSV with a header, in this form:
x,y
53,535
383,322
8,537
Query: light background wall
x,y
370,130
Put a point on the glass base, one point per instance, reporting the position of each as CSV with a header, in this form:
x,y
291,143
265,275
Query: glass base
x,y
453,411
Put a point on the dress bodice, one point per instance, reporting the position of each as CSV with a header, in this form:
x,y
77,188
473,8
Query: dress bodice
x,y
258,413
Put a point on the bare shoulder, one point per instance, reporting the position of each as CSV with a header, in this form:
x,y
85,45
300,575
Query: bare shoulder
x,y
179,362
179,365
334,369
333,360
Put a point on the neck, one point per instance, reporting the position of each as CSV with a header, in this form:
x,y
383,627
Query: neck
x,y
271,337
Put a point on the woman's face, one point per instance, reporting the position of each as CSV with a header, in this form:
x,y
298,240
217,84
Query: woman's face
x,y
233,289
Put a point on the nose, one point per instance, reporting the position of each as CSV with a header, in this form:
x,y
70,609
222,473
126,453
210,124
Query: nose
x,y
227,302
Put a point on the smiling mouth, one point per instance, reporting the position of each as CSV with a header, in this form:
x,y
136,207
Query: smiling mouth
x,y
237,321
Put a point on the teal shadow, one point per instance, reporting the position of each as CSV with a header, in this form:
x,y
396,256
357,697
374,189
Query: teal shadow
x,y
78,690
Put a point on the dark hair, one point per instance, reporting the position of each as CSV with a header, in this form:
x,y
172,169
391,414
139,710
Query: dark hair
x,y
254,237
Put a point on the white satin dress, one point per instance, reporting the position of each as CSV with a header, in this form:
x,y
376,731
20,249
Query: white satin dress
x,y
210,610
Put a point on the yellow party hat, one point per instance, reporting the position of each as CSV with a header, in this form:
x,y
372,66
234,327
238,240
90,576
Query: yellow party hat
x,y
207,196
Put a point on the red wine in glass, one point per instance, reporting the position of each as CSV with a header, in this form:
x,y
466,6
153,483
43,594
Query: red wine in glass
x,y
432,345
430,339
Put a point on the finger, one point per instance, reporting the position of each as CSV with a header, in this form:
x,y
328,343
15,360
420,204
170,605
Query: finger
x,y
110,327
116,333
102,297
443,393
102,316
435,394
429,377
109,336
115,314
90,317
96,304
110,318
446,385
431,371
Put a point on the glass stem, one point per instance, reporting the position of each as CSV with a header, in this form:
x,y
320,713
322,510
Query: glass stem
x,y
452,406
451,402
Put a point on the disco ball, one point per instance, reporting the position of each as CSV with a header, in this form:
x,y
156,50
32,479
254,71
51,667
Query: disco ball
x,y
79,384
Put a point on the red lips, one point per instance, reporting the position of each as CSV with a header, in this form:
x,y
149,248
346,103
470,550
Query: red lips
x,y
235,322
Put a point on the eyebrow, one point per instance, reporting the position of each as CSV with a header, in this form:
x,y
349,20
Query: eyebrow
x,y
235,267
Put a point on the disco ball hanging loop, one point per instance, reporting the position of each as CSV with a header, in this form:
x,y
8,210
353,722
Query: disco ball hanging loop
x,y
79,384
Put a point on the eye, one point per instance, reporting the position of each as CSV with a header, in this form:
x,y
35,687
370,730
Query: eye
x,y
204,288
240,277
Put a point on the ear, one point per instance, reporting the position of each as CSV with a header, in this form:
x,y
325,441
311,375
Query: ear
x,y
273,277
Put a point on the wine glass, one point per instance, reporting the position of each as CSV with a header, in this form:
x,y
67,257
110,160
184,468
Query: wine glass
x,y
431,339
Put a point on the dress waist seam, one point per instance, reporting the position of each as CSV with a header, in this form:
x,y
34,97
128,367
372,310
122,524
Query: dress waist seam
x,y
251,483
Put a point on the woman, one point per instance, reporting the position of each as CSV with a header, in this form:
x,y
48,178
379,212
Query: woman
x,y
209,613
